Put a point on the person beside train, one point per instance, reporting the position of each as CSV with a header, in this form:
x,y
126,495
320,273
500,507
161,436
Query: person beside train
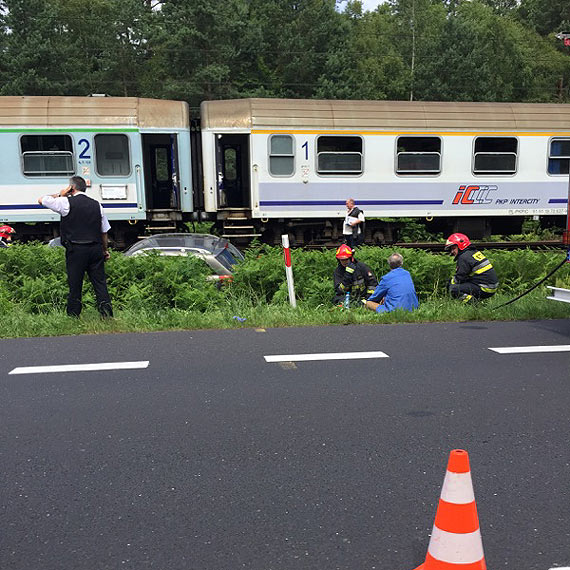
x,y
396,289
475,277
83,231
353,225
351,276
6,236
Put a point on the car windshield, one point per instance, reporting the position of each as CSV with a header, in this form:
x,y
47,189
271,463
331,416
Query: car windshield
x,y
198,242
227,259
217,252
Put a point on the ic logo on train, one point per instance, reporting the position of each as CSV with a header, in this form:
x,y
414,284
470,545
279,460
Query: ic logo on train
x,y
475,194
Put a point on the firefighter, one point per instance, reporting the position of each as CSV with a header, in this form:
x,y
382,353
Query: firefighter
x,y
474,276
6,236
352,277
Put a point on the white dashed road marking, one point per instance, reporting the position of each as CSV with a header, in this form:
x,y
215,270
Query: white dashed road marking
x,y
529,349
323,356
80,367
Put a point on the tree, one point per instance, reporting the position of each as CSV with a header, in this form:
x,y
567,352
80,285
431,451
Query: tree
x,y
367,64
419,26
309,33
192,52
546,17
33,47
69,47
108,43
486,57
502,7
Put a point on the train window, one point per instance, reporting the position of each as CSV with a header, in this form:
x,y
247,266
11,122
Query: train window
x,y
230,164
418,155
112,155
47,155
495,155
281,155
559,156
162,164
339,155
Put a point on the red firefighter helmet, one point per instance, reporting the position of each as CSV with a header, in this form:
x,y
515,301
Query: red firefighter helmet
x,y
343,252
460,240
5,231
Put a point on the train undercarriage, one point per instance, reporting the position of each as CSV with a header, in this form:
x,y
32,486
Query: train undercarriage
x,y
237,225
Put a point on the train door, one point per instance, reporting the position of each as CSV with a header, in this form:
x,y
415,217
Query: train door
x,y
232,170
161,171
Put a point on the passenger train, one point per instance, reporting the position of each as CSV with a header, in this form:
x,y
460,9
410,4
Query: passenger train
x,y
263,167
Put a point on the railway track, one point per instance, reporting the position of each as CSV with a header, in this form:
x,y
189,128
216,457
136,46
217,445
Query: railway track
x,y
533,245
433,246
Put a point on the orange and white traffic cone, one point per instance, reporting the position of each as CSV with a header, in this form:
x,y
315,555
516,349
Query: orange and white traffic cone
x,y
455,542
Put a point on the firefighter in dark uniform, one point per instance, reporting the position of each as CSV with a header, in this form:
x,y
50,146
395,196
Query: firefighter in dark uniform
x,y
84,229
474,277
352,276
6,236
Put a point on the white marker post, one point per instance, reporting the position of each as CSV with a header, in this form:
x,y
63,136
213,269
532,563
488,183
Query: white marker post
x,y
565,37
288,269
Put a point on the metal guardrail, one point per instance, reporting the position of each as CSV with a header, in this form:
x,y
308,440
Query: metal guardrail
x,y
559,294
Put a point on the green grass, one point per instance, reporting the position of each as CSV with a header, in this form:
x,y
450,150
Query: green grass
x,y
154,293
19,323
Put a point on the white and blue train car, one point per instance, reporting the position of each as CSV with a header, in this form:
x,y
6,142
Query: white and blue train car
x,y
134,154
274,165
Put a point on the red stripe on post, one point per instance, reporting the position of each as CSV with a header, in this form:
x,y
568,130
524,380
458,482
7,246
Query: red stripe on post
x,y
566,234
287,255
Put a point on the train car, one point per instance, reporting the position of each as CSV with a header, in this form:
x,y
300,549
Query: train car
x,y
263,167
134,154
278,165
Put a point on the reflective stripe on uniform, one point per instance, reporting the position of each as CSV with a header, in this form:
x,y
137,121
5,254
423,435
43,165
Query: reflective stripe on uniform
x,y
349,269
489,288
481,268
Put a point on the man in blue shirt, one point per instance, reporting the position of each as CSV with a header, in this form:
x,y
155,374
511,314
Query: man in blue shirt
x,y
396,289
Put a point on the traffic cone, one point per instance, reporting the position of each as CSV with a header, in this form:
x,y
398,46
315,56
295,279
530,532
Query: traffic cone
x,y
455,542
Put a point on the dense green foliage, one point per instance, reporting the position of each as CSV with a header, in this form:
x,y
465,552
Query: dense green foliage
x,y
260,277
154,293
32,277
465,50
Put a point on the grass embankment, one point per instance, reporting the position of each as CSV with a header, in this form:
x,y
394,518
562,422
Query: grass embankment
x,y
152,293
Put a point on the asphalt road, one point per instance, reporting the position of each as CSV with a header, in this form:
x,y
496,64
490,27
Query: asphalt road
x,y
212,458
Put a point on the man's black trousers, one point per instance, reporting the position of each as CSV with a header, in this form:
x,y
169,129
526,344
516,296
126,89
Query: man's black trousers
x,y
81,258
353,241
460,290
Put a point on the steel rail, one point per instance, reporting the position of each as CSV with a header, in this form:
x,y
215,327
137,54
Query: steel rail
x,y
439,246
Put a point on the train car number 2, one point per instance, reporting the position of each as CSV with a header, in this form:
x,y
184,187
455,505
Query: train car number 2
x,y
85,154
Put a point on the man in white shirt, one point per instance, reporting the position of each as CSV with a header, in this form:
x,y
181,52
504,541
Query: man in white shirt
x,y
84,229
353,225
